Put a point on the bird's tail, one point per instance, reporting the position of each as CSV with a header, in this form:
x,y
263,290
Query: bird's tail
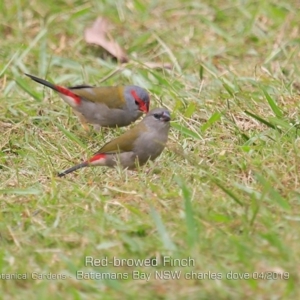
x,y
44,82
82,165
66,94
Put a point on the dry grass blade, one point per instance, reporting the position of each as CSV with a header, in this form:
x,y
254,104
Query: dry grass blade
x,y
98,34
158,65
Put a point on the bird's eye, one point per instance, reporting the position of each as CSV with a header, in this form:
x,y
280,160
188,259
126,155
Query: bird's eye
x,y
137,103
157,116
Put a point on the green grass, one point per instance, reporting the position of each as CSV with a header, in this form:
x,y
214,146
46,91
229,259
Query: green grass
x,y
225,192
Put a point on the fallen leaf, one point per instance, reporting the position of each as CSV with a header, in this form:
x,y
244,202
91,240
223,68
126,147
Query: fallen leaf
x,y
98,34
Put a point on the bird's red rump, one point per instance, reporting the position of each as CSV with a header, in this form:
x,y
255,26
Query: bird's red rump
x,y
97,157
68,93
142,105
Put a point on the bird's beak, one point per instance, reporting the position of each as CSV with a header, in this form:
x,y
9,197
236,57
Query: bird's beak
x,y
144,108
165,117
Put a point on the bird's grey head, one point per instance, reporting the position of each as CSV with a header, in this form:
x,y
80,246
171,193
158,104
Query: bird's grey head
x,y
137,98
158,117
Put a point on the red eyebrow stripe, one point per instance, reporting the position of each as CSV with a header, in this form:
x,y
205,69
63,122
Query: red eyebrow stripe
x,y
68,93
143,106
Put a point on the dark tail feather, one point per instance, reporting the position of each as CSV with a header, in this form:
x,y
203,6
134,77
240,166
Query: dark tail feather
x,y
42,81
82,165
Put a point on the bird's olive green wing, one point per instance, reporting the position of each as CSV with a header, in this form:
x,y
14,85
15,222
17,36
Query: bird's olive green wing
x,y
112,96
125,142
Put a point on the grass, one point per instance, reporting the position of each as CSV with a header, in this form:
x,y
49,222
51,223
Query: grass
x,y
226,191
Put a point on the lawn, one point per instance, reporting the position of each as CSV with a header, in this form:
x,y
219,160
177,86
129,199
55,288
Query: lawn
x,y
215,216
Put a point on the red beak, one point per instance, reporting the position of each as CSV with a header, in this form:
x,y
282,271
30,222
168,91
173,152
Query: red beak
x,y
144,107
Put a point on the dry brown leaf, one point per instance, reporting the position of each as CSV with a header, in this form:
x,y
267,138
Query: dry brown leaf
x,y
98,34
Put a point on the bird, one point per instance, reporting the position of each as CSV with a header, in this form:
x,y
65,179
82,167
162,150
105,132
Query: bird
x,y
145,141
104,106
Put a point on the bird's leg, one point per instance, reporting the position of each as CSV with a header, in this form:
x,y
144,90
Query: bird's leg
x,y
82,121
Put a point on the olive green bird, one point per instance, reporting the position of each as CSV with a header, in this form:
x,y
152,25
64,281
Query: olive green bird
x,y
107,106
143,142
